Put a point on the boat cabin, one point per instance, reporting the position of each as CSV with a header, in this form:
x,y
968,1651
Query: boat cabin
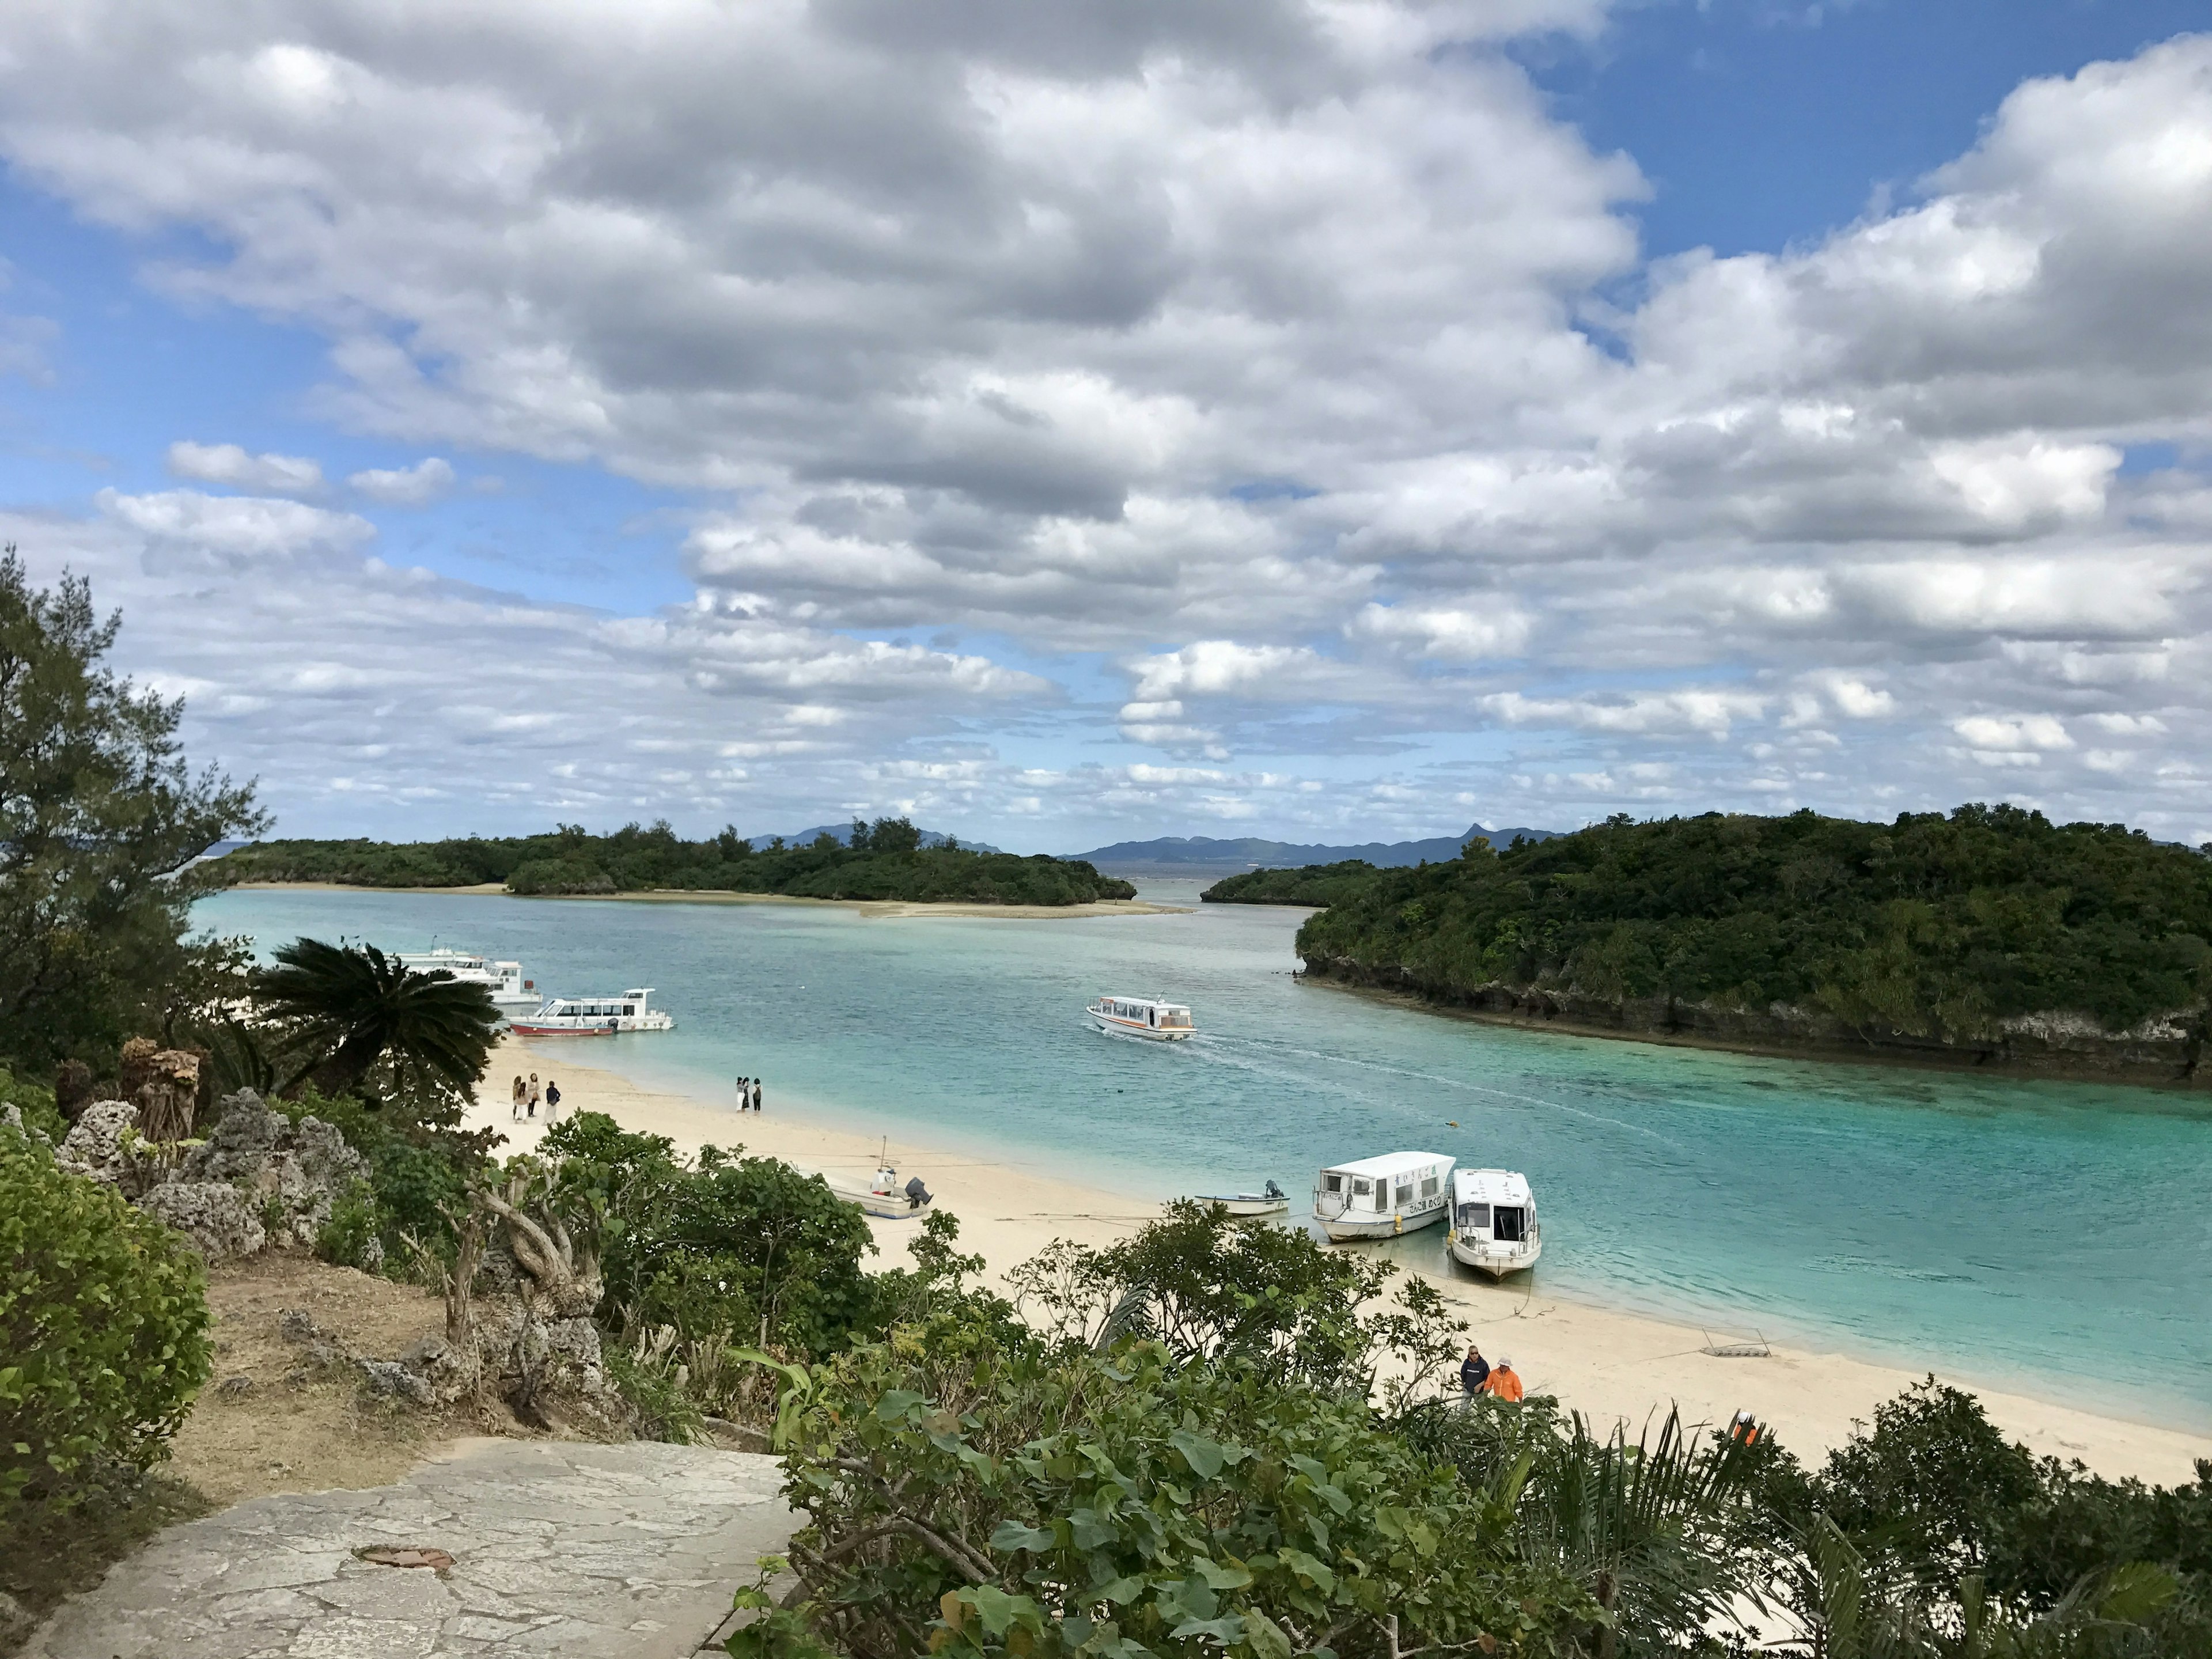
x,y
1157,1015
1393,1193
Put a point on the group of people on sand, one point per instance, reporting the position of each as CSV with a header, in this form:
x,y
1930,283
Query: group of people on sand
x,y
527,1094
749,1094
1478,1376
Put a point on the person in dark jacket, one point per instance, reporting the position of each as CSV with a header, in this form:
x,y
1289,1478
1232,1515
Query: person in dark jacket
x,y
1473,1371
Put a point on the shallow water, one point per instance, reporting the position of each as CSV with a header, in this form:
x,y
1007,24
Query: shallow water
x,y
2006,1230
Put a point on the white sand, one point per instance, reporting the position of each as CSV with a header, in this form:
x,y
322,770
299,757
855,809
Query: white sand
x,y
892,907
1608,1365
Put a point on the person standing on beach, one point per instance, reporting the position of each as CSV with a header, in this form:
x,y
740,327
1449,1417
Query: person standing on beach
x,y
533,1094
1504,1382
757,1094
1473,1371
518,1096
552,1101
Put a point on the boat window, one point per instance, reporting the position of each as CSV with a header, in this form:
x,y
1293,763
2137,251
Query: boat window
x,y
1361,1186
1405,1195
1508,1226
629,1009
1473,1216
1430,1188
1332,1182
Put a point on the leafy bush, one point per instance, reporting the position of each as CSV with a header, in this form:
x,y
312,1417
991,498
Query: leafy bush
x,y
103,1328
349,1238
37,1106
966,1497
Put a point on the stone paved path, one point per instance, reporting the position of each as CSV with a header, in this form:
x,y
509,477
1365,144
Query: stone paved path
x,y
558,1549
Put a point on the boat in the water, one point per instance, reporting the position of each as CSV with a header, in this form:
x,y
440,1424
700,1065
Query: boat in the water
x,y
1273,1202
1382,1197
883,1196
1141,1016
511,993
1493,1222
595,1016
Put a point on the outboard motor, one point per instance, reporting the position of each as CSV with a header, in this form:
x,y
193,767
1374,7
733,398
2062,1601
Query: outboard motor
x,y
917,1193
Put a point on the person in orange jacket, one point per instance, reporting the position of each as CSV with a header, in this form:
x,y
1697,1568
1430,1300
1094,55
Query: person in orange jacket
x,y
1504,1381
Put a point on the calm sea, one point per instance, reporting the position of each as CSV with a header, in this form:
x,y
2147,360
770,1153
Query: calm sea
x,y
2036,1235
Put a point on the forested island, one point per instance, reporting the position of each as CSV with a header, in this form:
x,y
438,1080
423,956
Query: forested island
x,y
1989,935
885,860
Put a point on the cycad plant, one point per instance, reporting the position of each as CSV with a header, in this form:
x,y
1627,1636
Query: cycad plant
x,y
346,1008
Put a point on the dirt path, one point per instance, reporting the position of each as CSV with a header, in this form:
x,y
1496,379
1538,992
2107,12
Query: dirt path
x,y
556,1548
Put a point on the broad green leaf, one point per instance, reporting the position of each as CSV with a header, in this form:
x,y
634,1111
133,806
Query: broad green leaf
x,y
1011,1535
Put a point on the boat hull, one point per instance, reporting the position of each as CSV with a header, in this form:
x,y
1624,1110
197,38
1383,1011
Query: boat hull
x,y
1488,1260
1244,1204
1345,1231
524,1028
884,1206
1130,1028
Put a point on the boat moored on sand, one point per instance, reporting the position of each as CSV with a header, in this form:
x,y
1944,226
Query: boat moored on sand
x,y
1273,1202
1493,1222
883,1196
1382,1197
1141,1016
595,1016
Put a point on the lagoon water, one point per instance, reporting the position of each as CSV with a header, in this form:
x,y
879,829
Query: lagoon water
x,y
2028,1234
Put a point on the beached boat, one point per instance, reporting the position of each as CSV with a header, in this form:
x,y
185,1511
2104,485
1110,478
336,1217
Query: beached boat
x,y
1382,1197
595,1016
1141,1016
511,993
1493,1222
1273,1202
884,1195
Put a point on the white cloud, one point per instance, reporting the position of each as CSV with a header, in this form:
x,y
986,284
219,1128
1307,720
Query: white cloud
x,y
2016,731
408,486
237,529
229,463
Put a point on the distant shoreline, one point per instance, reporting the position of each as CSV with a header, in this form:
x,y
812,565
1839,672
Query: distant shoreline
x,y
882,908
2039,1069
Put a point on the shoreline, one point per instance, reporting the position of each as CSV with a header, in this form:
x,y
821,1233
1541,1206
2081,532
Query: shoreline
x,y
880,908
1838,1054
1610,1363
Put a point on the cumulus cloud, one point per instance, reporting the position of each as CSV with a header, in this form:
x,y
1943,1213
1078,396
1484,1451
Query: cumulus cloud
x,y
1240,382
407,486
229,463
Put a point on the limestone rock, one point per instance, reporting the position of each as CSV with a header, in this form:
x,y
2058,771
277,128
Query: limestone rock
x,y
297,1173
215,1215
103,1143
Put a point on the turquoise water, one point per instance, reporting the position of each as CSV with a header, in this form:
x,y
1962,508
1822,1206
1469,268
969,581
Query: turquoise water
x,y
2030,1234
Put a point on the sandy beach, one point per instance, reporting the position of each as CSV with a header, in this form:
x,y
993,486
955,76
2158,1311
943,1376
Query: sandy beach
x,y
672,895
1608,1363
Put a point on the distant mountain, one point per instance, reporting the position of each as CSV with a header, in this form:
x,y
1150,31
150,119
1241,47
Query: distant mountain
x,y
1198,855
842,834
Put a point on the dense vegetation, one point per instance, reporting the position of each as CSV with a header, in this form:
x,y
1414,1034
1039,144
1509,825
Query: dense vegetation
x,y
1317,884
885,860
1934,927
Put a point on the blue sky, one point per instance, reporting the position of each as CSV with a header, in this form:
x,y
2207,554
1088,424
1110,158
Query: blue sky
x,y
1095,425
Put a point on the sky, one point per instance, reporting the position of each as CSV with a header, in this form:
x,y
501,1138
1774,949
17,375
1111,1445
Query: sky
x,y
1065,422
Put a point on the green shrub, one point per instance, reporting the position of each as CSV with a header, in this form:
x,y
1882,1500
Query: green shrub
x,y
103,1328
967,1497
350,1238
37,1106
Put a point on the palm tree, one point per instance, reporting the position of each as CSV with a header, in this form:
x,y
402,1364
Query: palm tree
x,y
350,1007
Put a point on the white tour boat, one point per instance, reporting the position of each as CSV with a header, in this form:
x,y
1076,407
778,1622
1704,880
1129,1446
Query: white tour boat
x,y
1141,1016
1382,1197
510,992
883,1196
1493,1222
1273,1202
595,1016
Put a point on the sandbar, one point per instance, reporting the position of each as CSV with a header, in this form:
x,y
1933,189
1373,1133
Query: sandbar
x,y
1611,1365
684,896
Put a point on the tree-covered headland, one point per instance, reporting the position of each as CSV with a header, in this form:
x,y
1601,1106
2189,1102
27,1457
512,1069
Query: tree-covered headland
x,y
1989,932
882,861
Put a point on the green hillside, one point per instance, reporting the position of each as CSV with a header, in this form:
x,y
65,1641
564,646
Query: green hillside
x,y
1937,928
885,862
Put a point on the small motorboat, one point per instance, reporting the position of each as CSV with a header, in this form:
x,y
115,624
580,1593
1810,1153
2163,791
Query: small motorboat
x,y
1382,1197
1273,1202
1141,1016
883,1196
595,1016
1493,1222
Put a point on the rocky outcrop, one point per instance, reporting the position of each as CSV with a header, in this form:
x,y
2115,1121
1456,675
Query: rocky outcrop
x,y
257,1179
2165,1048
215,1215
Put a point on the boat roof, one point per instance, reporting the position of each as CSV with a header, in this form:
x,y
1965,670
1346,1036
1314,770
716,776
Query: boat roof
x,y
1154,1002
1510,1185
1387,1163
